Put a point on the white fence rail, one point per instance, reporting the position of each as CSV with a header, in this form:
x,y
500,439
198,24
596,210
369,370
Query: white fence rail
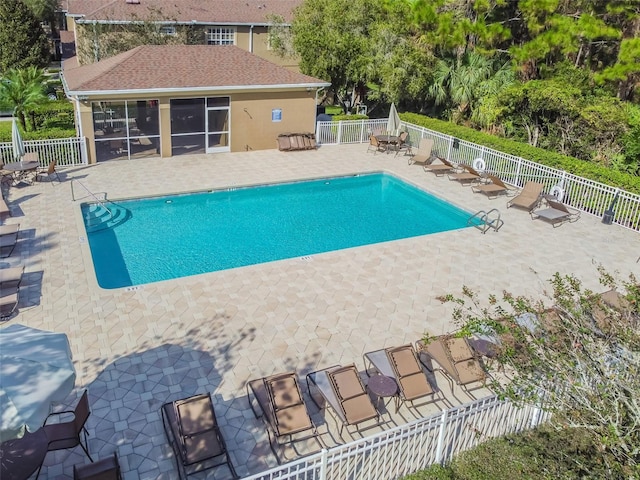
x,y
405,449
66,151
586,195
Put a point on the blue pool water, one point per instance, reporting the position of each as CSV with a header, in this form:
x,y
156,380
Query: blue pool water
x,y
179,235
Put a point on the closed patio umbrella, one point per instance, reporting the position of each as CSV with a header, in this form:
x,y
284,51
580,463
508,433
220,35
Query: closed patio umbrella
x,y
16,140
35,370
393,124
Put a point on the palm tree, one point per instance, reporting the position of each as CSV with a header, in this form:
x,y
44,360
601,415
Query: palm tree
x,y
23,90
460,83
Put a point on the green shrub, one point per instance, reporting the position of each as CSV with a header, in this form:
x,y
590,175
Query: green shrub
x,y
572,165
337,118
434,472
46,133
57,111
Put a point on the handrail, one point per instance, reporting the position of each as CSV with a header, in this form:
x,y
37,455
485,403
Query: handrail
x,y
485,221
90,194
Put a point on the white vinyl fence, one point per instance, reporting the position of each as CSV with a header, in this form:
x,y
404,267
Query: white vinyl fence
x,y
586,195
408,448
66,151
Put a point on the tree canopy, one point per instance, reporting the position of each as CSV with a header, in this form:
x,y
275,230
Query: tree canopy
x,y
23,42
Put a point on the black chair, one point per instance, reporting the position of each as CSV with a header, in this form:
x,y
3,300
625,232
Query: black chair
x,y
105,469
64,435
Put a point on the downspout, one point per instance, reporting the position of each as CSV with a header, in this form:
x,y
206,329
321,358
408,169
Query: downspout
x,y
251,39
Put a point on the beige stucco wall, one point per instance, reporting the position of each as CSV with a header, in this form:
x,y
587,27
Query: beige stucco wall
x,y
252,127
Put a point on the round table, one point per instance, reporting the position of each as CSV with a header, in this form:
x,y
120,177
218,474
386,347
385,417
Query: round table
x,y
21,169
382,386
21,457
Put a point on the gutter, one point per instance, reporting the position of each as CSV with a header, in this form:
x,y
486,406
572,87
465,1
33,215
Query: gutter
x,y
146,91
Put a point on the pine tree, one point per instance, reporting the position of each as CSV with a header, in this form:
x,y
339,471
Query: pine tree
x,y
23,42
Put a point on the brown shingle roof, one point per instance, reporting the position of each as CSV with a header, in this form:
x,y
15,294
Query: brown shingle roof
x,y
167,67
185,11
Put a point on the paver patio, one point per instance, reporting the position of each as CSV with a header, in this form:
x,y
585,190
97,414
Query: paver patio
x,y
135,349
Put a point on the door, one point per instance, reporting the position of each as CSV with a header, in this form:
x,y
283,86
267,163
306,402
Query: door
x,y
218,134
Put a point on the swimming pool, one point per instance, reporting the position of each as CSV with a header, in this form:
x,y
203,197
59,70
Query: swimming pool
x,y
174,236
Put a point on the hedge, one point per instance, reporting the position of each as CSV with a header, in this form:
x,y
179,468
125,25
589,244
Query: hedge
x,y
582,168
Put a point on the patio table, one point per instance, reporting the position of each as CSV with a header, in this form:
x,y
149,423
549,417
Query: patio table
x,y
21,457
388,140
21,170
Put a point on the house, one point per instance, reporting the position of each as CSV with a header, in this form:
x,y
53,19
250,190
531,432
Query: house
x,y
169,100
101,27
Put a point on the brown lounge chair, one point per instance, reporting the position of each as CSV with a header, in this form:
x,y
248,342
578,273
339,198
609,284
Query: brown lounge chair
x,y
282,407
423,155
401,363
493,189
456,359
403,144
10,278
192,430
8,239
342,390
443,167
469,176
556,213
528,198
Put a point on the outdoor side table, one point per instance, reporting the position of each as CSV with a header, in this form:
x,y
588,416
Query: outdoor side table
x,y
21,457
382,387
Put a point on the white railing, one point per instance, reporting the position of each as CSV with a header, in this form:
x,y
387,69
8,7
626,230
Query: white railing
x,y
408,448
586,195
67,151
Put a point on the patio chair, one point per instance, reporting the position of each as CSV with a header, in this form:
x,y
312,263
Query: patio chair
x,y
65,435
375,146
468,176
401,363
192,430
343,391
456,359
9,297
556,213
444,166
49,172
10,278
528,198
493,189
403,145
423,155
105,469
282,407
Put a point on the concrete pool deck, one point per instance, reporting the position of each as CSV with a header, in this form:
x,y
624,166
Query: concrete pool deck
x,y
135,349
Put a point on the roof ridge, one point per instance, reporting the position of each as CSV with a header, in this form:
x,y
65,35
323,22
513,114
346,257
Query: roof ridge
x,y
109,64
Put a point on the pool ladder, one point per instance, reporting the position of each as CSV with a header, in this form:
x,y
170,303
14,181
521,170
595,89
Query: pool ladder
x,y
484,221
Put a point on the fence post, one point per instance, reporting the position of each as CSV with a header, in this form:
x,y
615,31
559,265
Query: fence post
x,y
83,151
323,464
449,149
339,136
518,168
441,435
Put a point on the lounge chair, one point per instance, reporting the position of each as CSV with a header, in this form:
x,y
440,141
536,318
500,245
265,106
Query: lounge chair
x,y
8,239
443,167
5,211
192,430
282,407
375,145
401,364
528,198
342,390
9,297
10,278
423,155
469,176
493,189
456,359
556,213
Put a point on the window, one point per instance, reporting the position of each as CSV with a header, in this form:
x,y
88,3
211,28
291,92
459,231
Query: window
x,y
169,30
221,36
